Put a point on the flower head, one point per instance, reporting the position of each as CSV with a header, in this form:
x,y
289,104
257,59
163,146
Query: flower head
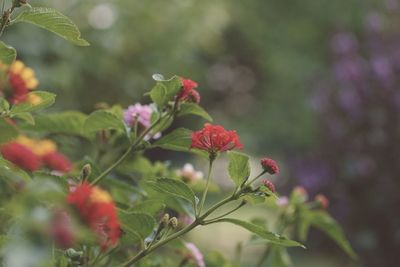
x,y
21,156
214,139
189,174
140,114
188,93
269,185
301,192
98,210
22,79
269,165
57,161
195,255
322,200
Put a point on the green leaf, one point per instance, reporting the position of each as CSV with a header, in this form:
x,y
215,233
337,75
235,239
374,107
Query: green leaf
x,y
7,54
47,99
26,117
165,91
324,222
193,109
53,21
264,234
7,131
4,105
136,224
8,170
151,207
178,140
103,120
279,257
68,122
174,188
239,167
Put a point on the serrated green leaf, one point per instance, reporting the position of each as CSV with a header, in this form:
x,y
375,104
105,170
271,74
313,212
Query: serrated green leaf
x,y
103,120
68,122
53,21
7,54
136,223
174,188
179,140
193,109
165,91
324,222
264,234
239,167
47,99
7,131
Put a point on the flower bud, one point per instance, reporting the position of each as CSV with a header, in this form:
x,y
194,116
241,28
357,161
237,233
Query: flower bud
x,y
73,254
86,171
164,221
269,185
269,165
173,222
322,200
301,192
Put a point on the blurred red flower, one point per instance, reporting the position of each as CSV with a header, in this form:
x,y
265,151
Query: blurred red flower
x,y
98,210
21,156
57,161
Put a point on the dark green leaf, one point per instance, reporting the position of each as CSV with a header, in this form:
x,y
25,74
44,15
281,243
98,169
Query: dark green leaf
x,y
193,109
239,167
7,131
165,91
173,187
103,120
7,54
46,100
264,234
54,21
324,222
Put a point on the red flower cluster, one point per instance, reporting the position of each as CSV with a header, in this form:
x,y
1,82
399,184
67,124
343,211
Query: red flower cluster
x,y
30,154
188,93
269,185
269,165
214,139
98,210
21,79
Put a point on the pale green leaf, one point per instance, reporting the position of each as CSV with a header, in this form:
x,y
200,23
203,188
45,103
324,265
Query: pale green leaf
x,y
239,167
136,223
47,99
7,131
193,109
165,91
264,234
7,54
53,21
103,120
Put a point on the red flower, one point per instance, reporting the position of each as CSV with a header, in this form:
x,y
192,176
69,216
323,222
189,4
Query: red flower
x,y
322,200
98,210
269,165
21,156
188,93
57,161
269,185
214,138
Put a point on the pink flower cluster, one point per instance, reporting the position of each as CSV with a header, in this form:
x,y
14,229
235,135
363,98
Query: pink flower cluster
x,y
142,115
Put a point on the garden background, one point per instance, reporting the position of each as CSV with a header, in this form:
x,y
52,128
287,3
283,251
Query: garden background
x,y
313,84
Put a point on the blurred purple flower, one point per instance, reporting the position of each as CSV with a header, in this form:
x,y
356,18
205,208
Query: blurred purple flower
x,y
141,114
195,254
344,43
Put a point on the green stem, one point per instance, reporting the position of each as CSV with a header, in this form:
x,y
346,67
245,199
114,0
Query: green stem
x,y
255,178
227,213
123,157
203,198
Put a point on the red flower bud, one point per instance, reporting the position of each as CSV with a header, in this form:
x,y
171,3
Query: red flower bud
x,y
188,93
269,165
269,185
322,200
